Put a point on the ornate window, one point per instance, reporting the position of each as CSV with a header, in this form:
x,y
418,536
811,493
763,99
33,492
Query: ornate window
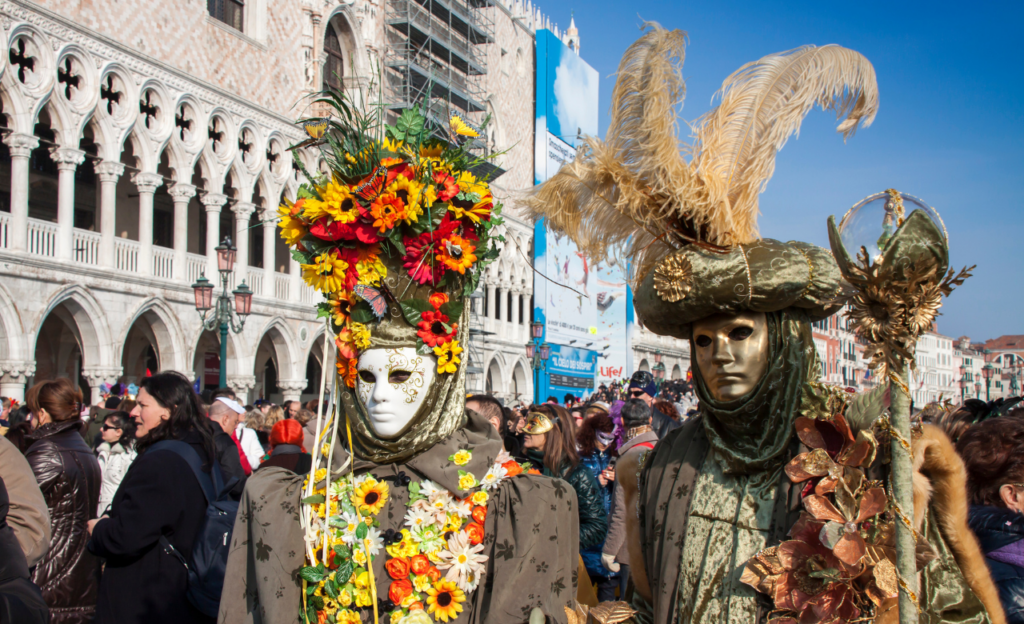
x,y
334,66
227,11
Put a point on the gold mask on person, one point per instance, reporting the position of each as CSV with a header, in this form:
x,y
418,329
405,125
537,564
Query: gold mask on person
x,y
732,352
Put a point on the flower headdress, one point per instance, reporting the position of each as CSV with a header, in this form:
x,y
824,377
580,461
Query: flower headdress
x,y
396,234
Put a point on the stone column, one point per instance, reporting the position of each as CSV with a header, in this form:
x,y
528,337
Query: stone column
x,y
503,302
97,377
13,375
269,270
291,388
108,172
243,210
67,160
147,183
295,273
490,301
181,193
242,385
21,146
212,202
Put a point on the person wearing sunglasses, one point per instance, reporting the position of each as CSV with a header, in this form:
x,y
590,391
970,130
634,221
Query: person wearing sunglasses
x,y
642,386
115,453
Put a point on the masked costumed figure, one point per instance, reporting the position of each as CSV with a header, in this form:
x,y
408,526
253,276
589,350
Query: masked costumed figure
x,y
429,520
772,504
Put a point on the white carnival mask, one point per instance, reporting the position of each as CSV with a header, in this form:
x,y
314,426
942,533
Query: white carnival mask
x,y
392,385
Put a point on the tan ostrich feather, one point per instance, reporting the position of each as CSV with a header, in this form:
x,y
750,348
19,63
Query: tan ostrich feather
x,y
634,196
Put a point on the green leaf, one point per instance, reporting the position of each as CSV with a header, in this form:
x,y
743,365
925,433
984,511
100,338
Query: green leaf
x,y
306,192
299,256
344,572
361,531
397,242
423,349
412,310
310,588
317,602
315,499
330,589
362,313
323,309
414,487
312,574
453,309
343,551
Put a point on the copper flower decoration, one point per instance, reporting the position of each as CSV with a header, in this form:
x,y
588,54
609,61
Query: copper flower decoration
x,y
857,500
833,448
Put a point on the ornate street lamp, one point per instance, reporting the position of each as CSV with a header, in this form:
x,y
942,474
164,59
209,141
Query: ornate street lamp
x,y
987,371
963,382
223,315
538,353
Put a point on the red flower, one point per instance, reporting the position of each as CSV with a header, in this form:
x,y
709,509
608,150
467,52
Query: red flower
x,y
480,514
446,186
419,564
420,251
437,300
512,468
416,606
432,329
433,574
398,568
347,371
475,533
328,230
400,590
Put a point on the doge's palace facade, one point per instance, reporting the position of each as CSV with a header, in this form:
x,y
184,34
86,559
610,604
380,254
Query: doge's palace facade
x,y
137,134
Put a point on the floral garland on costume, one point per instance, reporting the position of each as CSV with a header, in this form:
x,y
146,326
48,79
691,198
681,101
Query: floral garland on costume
x,y
839,564
434,563
396,193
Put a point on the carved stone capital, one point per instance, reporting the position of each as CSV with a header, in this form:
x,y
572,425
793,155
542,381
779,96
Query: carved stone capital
x,y
292,385
99,376
182,192
108,170
18,371
147,182
21,145
67,158
242,384
213,201
243,210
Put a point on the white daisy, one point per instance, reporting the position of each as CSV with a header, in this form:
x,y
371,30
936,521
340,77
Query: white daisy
x,y
462,508
417,518
439,500
348,525
493,477
373,542
429,539
463,561
428,488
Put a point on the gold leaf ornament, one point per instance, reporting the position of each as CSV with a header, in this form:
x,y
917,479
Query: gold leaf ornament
x,y
673,278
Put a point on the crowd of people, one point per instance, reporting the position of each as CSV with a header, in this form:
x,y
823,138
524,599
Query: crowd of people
x,y
94,503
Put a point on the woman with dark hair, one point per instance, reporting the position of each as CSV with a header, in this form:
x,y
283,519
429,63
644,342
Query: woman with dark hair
x,y
286,449
551,443
21,427
158,497
993,452
115,453
597,448
69,477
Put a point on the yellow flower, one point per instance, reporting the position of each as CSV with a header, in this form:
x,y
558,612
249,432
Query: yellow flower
x,y
330,606
346,616
462,457
345,598
396,615
360,335
371,271
359,556
431,151
392,146
460,127
326,274
292,229
337,203
408,548
457,253
454,521
435,556
469,184
350,158
448,357
480,498
429,195
409,191
363,580
371,496
467,481
444,600
363,598
421,582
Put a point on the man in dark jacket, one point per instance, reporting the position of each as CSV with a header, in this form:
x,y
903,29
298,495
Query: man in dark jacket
x,y
642,386
1000,533
224,420
21,602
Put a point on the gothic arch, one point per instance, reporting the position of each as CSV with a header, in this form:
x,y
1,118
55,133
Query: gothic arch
x,y
90,320
347,23
170,340
495,374
12,332
285,350
521,382
236,361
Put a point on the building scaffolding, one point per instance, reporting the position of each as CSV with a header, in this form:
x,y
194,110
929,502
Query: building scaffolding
x,y
433,56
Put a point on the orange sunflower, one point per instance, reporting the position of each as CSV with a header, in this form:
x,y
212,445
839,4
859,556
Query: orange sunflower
x,y
347,370
444,600
456,253
386,210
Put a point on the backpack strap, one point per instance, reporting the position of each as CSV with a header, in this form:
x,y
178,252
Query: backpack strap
x,y
186,452
646,445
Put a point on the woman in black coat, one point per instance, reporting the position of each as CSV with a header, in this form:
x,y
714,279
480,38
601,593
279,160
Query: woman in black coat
x,y
69,478
993,452
158,497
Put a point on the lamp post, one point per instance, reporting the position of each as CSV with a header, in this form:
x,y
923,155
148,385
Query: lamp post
x,y
963,382
223,313
988,370
538,353
977,390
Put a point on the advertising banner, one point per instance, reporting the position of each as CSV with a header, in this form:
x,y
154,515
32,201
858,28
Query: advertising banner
x,y
570,371
584,306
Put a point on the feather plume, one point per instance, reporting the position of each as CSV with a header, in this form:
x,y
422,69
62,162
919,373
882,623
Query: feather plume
x,y
762,105
634,196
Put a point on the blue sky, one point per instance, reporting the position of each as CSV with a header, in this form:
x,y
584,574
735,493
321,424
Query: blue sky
x,y
950,126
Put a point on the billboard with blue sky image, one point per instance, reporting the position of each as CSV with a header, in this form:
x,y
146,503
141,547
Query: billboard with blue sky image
x,y
586,307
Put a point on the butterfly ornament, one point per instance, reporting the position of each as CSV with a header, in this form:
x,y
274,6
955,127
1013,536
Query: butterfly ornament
x,y
315,129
